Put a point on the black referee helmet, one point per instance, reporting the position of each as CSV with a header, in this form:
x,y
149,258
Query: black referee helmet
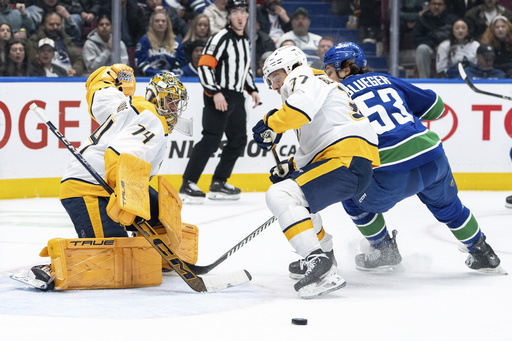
x,y
236,4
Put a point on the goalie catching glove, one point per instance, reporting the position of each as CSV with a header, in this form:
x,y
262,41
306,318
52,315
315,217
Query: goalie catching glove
x,y
264,136
287,168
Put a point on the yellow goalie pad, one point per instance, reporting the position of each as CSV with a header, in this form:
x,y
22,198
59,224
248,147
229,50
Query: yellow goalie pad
x,y
187,250
132,190
169,210
103,263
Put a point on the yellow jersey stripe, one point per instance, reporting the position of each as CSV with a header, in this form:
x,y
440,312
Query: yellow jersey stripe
x,y
297,228
93,209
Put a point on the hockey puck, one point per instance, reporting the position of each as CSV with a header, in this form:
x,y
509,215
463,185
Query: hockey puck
x,y
300,321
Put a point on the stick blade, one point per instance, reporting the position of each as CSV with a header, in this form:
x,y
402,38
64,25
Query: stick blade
x,y
462,73
220,282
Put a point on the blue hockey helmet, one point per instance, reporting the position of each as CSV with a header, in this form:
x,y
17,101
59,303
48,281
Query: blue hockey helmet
x,y
345,51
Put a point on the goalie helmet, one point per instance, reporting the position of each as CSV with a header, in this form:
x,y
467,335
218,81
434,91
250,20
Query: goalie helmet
x,y
286,58
345,51
236,4
169,96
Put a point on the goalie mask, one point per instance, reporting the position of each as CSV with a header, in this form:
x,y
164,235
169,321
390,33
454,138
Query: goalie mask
x,y
345,51
286,58
169,96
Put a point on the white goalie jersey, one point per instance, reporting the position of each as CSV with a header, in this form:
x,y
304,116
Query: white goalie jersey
x,y
134,127
327,122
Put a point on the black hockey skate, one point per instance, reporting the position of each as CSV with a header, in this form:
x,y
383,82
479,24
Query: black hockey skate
x,y
320,277
298,268
221,190
484,259
190,193
383,258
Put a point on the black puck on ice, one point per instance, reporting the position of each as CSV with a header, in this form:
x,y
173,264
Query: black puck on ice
x,y
300,321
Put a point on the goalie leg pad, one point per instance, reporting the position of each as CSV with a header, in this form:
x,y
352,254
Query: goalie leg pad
x,y
187,250
103,263
169,210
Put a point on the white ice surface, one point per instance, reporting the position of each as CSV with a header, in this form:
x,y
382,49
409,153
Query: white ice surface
x,y
433,296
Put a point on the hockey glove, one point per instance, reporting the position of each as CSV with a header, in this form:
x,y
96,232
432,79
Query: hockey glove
x,y
264,136
287,167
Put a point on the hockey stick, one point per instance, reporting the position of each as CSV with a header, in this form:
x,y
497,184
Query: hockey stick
x,y
182,269
201,270
466,79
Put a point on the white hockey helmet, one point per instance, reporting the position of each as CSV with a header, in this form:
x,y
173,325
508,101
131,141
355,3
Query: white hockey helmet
x,y
286,58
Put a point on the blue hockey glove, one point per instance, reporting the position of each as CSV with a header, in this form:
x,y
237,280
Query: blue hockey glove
x,y
265,136
287,167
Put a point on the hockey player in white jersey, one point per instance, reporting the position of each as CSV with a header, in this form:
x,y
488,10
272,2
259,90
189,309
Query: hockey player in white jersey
x,y
134,125
334,160
413,162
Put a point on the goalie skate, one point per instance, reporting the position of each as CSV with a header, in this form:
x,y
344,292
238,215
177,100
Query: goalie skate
x,y
37,276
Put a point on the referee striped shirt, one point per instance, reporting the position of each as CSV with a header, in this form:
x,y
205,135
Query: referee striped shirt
x,y
225,63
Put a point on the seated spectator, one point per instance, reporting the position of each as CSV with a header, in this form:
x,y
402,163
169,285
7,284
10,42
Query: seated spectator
x,y
42,66
263,41
97,49
461,7
132,21
84,12
197,47
218,15
273,19
40,8
431,28
323,46
5,37
179,26
305,40
458,48
16,61
159,50
16,18
479,17
199,30
499,36
408,13
67,55
484,67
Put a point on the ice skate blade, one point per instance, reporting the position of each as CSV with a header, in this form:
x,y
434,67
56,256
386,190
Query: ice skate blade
x,y
332,282
499,270
222,196
186,199
380,269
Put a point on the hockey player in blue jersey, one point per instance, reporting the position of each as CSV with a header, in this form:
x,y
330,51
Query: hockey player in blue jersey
x,y
413,162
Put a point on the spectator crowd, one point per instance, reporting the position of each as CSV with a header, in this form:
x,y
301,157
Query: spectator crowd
x,y
59,38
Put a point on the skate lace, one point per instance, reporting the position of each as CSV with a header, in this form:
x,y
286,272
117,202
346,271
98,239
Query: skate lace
x,y
311,261
193,186
229,186
372,256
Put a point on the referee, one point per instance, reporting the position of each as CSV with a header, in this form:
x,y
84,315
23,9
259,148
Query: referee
x,y
224,73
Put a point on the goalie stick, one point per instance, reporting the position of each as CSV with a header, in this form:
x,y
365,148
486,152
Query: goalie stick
x,y
466,79
196,283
